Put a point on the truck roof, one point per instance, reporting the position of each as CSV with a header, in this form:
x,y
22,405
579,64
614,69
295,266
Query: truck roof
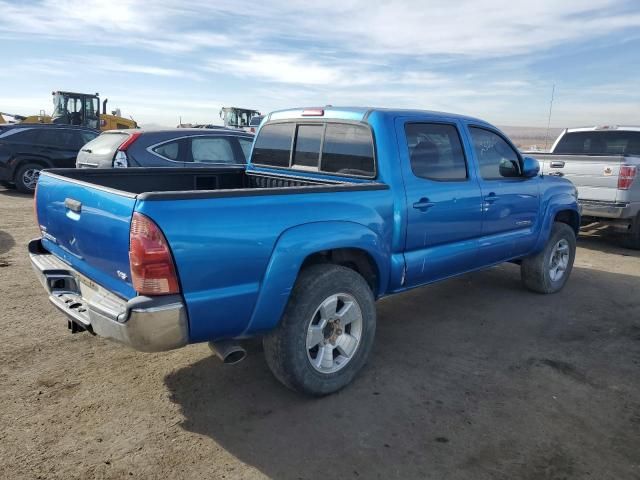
x,y
360,113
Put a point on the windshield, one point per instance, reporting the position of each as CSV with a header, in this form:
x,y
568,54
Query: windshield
x,y
599,143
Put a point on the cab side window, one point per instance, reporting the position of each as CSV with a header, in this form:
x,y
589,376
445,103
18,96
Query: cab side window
x,y
496,158
435,151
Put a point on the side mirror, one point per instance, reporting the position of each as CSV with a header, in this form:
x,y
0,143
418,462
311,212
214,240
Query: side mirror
x,y
509,168
530,167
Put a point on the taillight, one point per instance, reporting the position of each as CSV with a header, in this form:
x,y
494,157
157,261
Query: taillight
x,y
626,176
120,160
35,206
127,143
151,262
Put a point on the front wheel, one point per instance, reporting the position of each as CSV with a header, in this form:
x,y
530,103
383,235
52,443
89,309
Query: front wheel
x,y
326,332
26,177
549,270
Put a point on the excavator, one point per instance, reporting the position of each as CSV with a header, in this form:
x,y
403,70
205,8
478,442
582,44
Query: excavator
x,y
234,117
71,108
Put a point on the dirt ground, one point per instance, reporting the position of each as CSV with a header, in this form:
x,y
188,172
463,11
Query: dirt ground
x,y
472,378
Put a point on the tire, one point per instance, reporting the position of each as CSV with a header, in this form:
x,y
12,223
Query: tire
x,y
286,348
24,172
537,271
633,240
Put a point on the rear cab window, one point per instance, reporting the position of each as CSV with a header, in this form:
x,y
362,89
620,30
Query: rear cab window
x,y
337,148
599,143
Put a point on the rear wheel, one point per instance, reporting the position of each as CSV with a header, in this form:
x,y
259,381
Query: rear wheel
x,y
633,241
549,270
326,332
26,177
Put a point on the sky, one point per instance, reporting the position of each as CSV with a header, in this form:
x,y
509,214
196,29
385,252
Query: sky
x,y
494,59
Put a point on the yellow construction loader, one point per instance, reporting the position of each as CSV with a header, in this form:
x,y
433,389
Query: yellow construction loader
x,y
71,108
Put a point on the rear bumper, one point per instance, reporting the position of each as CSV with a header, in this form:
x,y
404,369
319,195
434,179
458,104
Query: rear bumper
x,y
148,324
613,210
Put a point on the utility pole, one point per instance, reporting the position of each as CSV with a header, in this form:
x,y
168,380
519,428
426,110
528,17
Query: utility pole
x,y
546,138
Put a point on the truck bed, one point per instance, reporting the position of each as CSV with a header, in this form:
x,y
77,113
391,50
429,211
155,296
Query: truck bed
x,y
165,183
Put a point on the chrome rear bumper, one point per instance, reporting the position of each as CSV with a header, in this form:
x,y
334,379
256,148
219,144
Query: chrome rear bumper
x,y
614,210
148,324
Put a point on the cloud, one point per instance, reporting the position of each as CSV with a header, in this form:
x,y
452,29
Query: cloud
x,y
279,68
74,65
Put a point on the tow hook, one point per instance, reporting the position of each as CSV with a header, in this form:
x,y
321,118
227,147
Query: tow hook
x,y
74,327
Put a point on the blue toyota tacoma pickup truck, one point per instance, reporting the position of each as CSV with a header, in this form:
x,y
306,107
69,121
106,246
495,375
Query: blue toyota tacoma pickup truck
x,y
337,208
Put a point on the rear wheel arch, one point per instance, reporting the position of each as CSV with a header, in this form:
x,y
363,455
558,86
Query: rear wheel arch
x,y
350,244
21,160
356,259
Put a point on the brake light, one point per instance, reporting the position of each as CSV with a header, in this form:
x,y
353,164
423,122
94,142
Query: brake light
x,y
626,176
313,112
151,262
127,143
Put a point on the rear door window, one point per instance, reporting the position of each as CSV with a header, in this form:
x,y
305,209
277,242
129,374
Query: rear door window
x,y
348,150
54,138
435,151
212,150
273,145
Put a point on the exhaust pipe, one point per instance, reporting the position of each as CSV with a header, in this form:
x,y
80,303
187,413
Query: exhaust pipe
x,y
228,351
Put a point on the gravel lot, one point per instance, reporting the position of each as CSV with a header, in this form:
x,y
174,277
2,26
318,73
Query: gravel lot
x,y
472,378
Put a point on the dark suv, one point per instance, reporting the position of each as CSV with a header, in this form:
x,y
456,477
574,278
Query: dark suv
x,y
25,149
175,147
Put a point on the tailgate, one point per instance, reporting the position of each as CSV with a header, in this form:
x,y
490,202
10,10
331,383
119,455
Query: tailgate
x,y
87,226
595,177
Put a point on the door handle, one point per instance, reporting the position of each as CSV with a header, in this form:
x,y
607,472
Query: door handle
x,y
557,164
73,205
556,174
491,198
423,204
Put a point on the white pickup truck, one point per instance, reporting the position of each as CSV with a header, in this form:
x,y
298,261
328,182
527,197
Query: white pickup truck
x,y
603,163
